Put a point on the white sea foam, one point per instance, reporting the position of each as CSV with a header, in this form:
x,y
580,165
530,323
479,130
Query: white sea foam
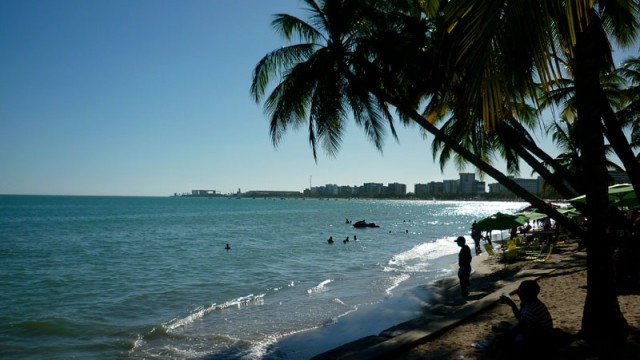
x,y
417,258
320,287
200,312
137,343
259,349
395,281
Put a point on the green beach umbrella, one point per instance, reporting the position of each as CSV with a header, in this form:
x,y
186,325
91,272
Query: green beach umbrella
x,y
569,212
535,215
500,221
532,215
619,194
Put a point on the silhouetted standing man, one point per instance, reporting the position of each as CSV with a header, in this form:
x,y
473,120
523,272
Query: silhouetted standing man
x,y
464,263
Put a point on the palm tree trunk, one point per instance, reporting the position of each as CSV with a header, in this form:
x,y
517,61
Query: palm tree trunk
x,y
571,178
603,324
549,177
491,171
411,113
517,145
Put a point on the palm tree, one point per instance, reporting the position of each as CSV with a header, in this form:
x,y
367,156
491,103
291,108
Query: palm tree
x,y
511,139
501,48
629,113
336,68
564,136
482,49
313,86
613,86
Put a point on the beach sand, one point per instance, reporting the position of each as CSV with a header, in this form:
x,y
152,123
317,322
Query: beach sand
x,y
455,328
563,290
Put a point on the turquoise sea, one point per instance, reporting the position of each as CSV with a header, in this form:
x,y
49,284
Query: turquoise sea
x,y
149,277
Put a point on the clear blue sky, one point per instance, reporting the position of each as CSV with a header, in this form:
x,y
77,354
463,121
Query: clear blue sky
x,y
152,97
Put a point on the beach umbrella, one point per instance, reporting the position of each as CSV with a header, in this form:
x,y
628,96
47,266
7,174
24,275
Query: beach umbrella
x,y
500,221
619,194
569,212
532,215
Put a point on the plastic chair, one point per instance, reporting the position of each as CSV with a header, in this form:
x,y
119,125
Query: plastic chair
x,y
510,254
489,249
545,257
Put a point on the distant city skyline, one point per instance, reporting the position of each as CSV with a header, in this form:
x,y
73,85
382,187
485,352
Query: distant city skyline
x,y
466,183
148,98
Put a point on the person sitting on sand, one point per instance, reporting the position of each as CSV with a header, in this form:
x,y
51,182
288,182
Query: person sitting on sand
x,y
535,324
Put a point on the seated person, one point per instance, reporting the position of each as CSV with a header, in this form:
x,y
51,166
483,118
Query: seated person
x,y
534,327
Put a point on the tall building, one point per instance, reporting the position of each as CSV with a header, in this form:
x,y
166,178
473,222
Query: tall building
x,y
533,186
397,189
451,186
468,183
346,190
373,188
435,187
421,189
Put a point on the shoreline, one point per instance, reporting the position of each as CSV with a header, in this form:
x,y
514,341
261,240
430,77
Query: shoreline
x,y
422,302
458,326
437,312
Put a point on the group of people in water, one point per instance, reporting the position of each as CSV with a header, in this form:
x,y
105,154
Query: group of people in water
x,y
330,240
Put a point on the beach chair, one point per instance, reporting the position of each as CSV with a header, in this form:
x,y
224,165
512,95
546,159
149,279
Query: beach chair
x,y
545,256
511,252
519,240
534,254
489,249
510,255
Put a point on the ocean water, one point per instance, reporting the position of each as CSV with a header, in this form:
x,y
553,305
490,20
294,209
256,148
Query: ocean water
x,y
149,277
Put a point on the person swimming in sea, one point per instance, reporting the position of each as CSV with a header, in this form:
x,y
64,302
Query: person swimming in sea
x,y
227,247
330,240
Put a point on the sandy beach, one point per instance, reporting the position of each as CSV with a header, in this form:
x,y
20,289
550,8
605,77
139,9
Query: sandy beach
x,y
460,328
563,291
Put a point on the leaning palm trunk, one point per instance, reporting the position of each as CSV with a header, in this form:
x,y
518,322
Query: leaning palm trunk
x,y
620,144
603,324
550,178
411,113
565,174
319,79
525,150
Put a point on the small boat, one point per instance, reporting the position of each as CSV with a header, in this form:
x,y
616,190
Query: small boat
x,y
363,224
